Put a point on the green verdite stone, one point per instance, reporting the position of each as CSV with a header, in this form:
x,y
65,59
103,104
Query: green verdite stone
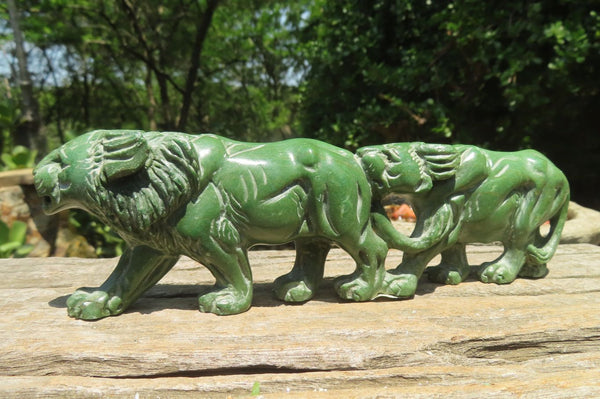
x,y
211,198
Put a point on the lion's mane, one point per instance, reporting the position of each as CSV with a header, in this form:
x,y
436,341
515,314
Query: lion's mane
x,y
135,203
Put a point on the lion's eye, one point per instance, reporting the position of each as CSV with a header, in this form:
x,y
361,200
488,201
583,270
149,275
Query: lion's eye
x,y
62,175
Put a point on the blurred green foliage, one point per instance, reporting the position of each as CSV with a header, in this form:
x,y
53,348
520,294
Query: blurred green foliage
x,y
497,74
133,64
12,240
505,75
105,241
18,158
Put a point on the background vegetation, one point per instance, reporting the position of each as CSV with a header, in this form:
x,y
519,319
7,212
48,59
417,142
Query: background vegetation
x,y
504,75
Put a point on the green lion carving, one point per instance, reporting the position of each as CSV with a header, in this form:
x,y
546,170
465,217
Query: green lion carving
x,y
463,194
211,199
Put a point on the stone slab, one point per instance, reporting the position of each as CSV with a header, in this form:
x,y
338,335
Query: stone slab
x,y
531,338
16,177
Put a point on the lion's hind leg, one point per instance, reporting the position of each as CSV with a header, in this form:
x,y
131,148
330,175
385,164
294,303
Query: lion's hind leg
x,y
301,283
453,268
505,269
534,267
535,206
369,253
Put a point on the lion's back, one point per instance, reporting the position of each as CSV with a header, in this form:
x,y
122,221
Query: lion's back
x,y
528,166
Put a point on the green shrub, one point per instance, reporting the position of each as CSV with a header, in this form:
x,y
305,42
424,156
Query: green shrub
x,y
12,240
105,241
19,158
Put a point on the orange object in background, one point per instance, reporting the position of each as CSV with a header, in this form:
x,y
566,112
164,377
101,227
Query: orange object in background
x,y
403,212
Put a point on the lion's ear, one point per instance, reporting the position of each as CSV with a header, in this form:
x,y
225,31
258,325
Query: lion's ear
x,y
125,153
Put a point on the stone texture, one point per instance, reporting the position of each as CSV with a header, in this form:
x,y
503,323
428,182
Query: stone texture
x,y
583,226
16,177
531,338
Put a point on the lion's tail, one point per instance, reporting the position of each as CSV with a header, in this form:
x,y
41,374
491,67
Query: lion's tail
x,y
542,254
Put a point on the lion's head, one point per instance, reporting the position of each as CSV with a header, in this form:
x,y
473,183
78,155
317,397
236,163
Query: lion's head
x,y
127,178
408,168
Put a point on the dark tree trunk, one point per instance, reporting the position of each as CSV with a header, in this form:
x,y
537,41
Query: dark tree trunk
x,y
192,76
28,131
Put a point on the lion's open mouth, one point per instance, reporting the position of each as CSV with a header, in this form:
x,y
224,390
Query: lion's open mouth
x,y
47,201
49,204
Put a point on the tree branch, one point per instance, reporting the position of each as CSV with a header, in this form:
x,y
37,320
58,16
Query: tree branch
x,y
192,75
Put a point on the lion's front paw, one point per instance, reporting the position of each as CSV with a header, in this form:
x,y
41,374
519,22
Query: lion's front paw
x,y
499,273
399,285
354,288
226,301
93,305
292,290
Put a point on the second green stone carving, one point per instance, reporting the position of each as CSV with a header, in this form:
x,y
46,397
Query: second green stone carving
x,y
210,198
